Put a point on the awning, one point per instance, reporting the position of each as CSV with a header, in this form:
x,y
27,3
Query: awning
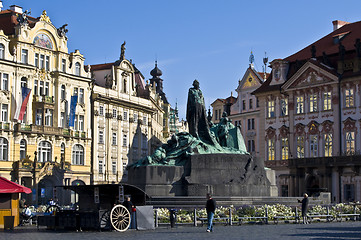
x,y
7,186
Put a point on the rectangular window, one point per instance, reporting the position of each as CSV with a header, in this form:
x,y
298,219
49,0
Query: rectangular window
x,y
36,87
125,140
114,167
24,56
271,149
313,146
271,109
284,190
349,192
81,95
135,117
313,102
81,123
350,143
47,63
4,113
46,88
41,61
76,118
144,120
216,114
250,103
251,146
326,101
244,105
101,137
114,139
125,116
250,123
39,117
101,110
75,93
36,60
328,145
5,80
63,65
299,105
349,98
114,113
48,117
300,147
62,119
100,162
41,88
284,146
284,107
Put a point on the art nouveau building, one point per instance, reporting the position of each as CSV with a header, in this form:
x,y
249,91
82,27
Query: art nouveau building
x,y
310,117
129,119
41,150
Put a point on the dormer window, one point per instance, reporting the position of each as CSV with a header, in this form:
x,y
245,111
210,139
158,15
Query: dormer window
x,y
2,51
77,69
338,38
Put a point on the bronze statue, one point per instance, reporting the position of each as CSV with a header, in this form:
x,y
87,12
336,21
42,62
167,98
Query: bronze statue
x,y
122,51
223,130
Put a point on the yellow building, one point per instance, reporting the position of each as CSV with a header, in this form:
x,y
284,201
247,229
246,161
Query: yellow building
x,y
40,150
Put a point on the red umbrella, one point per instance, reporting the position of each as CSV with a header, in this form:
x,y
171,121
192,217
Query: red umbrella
x,y
7,186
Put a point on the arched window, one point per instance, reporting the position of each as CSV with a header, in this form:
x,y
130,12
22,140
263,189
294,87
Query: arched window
x,y
2,51
63,93
3,149
78,155
22,149
77,69
44,151
24,82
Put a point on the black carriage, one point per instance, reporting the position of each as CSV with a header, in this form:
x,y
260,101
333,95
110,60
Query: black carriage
x,y
97,207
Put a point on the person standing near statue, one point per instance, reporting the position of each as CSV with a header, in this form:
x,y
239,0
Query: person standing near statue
x,y
210,208
304,202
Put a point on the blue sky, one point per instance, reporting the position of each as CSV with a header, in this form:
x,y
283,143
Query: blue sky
x,y
205,40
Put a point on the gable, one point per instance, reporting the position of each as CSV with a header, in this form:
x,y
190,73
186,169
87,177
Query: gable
x,y
310,75
250,80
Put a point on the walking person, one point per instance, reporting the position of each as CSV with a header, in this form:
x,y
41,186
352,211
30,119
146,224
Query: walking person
x,y
211,208
304,208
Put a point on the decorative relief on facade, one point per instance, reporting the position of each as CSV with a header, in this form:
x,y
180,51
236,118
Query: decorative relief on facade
x,y
327,126
284,131
349,125
43,40
300,129
335,100
313,128
270,133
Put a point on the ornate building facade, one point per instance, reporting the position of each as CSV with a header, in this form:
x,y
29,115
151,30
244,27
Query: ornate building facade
x,y
310,117
38,78
130,118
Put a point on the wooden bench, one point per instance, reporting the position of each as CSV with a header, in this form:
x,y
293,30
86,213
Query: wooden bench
x,y
242,219
347,216
224,220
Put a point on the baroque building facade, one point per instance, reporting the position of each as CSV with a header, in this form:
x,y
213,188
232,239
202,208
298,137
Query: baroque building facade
x,y
38,149
130,118
310,117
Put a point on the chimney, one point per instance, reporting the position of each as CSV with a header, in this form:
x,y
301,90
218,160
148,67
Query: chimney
x,y
16,9
337,24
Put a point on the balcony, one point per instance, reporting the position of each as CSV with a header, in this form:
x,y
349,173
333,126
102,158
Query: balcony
x,y
276,164
5,125
336,161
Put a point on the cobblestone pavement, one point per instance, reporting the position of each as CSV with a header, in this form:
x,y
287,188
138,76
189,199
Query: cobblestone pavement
x,y
334,230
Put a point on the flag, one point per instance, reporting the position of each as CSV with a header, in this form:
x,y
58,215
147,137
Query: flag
x,y
73,102
20,110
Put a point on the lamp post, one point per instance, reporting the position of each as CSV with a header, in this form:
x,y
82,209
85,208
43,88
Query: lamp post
x,y
35,192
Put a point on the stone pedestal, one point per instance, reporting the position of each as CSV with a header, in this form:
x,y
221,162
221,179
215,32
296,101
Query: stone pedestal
x,y
219,174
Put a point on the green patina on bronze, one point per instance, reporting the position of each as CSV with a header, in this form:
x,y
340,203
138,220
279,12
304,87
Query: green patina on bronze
x,y
203,137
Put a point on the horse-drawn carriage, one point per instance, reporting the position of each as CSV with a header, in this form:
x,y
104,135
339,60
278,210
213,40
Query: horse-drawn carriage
x,y
98,207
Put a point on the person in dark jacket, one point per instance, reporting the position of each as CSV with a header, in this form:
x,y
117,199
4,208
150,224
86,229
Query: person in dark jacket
x,y
304,208
211,208
128,204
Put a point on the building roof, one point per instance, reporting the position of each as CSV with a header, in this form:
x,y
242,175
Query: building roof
x,y
102,66
7,186
8,21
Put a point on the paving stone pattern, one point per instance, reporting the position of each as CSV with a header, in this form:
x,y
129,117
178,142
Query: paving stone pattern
x,y
316,231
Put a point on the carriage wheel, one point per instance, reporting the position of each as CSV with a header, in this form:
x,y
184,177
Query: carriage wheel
x,y
105,221
52,209
120,218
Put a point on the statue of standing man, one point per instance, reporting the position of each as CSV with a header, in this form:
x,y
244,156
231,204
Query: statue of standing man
x,y
197,116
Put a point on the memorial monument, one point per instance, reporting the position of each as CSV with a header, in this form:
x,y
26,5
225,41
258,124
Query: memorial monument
x,y
210,158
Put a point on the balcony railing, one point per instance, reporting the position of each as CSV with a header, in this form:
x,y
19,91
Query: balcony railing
x,y
5,125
